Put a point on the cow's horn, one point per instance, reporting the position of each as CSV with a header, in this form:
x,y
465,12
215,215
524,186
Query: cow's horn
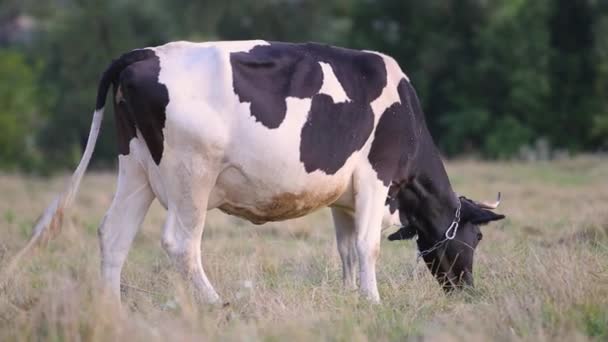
x,y
492,206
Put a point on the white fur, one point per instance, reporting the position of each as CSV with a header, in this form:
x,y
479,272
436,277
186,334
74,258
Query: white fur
x,y
389,93
331,85
346,238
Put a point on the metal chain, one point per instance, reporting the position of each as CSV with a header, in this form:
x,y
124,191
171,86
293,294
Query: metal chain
x,y
429,250
450,234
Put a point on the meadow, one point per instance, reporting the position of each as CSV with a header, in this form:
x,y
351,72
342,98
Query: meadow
x,y
541,274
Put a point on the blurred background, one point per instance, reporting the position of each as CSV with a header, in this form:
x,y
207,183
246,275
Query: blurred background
x,y
498,79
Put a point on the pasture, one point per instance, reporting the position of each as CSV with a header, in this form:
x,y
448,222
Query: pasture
x,y
541,274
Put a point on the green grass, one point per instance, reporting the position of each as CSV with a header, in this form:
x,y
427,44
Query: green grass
x,y
541,275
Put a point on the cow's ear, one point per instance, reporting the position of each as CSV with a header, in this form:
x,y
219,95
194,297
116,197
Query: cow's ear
x,y
393,190
471,212
404,233
391,198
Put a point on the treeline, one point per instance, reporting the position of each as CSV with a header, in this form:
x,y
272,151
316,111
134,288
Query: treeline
x,y
493,76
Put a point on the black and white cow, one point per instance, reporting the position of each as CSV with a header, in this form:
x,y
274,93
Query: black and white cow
x,y
271,131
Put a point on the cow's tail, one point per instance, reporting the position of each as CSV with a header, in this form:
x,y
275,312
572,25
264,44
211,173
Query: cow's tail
x,y
50,222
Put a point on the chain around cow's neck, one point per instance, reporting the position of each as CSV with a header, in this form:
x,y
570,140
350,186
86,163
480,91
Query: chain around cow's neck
x,y
450,233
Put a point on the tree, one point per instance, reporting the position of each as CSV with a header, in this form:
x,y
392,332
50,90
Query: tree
x,y
574,73
21,109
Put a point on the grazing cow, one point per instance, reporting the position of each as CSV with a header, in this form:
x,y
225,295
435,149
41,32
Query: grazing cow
x,y
271,131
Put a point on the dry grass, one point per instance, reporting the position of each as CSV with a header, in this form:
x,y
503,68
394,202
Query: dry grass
x,y
542,274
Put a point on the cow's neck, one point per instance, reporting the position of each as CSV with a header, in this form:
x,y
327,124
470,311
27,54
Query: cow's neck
x,y
431,184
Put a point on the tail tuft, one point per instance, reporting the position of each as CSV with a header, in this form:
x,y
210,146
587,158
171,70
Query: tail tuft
x,y
50,222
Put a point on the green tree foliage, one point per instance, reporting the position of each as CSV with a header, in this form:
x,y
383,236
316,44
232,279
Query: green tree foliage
x,y
492,75
20,109
574,71
513,71
600,123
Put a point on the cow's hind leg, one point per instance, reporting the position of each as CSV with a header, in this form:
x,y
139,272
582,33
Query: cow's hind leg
x,y
346,239
184,226
131,202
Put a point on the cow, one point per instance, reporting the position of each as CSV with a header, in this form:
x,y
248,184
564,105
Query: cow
x,y
270,131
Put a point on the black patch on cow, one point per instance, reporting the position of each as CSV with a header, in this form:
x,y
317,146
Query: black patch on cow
x,y
145,101
396,137
268,74
333,132
110,75
125,124
404,233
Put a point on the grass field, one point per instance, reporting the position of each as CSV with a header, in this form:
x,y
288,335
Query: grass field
x,y
541,274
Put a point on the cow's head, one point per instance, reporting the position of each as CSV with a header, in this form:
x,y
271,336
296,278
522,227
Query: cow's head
x,y
429,215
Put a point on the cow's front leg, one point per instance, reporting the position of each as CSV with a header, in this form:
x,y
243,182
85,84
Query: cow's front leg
x,y
369,209
346,239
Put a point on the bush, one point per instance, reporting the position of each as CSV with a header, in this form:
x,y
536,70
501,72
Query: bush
x,y
462,131
20,110
505,138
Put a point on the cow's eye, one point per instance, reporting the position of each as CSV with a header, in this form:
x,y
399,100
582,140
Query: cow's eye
x,y
479,236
